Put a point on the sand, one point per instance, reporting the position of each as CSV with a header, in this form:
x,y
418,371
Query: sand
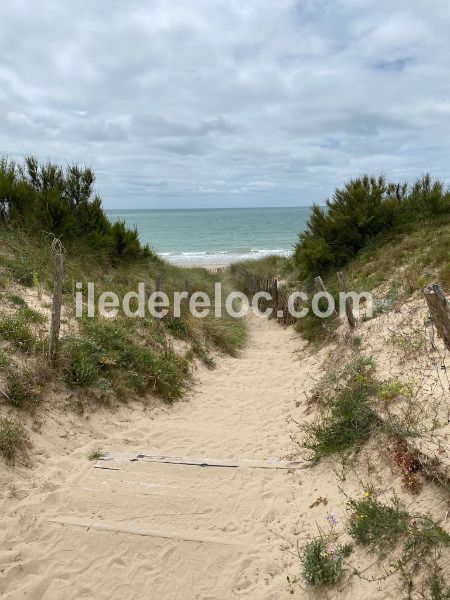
x,y
166,531
144,530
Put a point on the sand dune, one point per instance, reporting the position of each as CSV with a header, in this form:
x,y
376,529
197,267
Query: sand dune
x,y
134,529
149,530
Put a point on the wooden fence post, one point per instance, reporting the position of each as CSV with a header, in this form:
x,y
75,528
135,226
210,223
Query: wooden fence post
x,y
275,298
158,289
319,286
439,308
348,304
58,252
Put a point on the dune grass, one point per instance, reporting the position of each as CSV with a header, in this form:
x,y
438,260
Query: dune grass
x,y
346,417
12,437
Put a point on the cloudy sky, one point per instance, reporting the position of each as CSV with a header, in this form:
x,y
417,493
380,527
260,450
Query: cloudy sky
x,y
227,102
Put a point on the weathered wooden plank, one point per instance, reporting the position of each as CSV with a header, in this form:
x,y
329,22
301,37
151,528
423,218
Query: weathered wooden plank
x,y
105,461
133,530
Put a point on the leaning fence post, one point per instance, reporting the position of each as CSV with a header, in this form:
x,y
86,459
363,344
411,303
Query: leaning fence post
x,y
319,286
58,252
158,289
348,305
439,308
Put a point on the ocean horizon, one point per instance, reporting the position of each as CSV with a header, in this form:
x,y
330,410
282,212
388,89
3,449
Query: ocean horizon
x,y
216,236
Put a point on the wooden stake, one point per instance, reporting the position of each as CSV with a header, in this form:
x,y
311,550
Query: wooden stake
x,y
58,251
158,289
439,308
348,304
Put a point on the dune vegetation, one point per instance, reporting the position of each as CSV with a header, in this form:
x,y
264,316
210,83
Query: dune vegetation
x,y
100,359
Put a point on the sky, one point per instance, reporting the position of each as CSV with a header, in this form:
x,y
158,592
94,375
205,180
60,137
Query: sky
x,y
206,103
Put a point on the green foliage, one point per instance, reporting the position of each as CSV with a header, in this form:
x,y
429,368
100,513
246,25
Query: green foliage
x,y
46,197
358,213
177,327
375,524
323,562
95,454
424,536
12,437
393,388
314,328
346,418
17,300
266,268
4,359
82,358
23,389
381,527
110,349
226,333
201,353
14,329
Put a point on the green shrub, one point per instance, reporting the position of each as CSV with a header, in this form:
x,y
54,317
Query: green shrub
x,y
82,361
95,454
177,327
30,315
375,524
110,348
46,197
4,359
15,330
359,212
23,388
322,562
12,437
381,527
314,328
17,300
346,418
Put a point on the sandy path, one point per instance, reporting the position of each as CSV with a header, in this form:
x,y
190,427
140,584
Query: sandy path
x,y
168,532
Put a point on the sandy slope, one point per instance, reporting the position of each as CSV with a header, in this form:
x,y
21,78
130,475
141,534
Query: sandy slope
x,y
169,531
140,530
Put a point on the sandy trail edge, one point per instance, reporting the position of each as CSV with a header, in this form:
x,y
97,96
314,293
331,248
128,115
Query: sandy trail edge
x,y
148,530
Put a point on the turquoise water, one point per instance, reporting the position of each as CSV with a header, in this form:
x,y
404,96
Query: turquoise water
x,y
216,236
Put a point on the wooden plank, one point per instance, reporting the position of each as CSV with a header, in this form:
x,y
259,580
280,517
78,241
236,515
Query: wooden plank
x,y
133,530
110,458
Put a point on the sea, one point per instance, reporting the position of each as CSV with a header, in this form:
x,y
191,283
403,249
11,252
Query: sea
x,y
216,236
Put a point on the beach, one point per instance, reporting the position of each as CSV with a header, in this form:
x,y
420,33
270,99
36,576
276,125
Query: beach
x,y
215,238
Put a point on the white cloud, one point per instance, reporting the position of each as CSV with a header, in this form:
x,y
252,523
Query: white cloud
x,y
227,101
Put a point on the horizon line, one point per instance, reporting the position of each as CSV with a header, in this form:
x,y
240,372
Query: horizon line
x,y
205,208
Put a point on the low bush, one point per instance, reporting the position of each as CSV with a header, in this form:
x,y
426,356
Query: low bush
x,y
346,418
46,197
110,349
314,328
15,329
375,524
12,437
23,389
382,527
363,209
323,562
4,359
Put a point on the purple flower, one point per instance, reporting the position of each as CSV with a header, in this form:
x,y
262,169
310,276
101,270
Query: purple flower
x,y
331,520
